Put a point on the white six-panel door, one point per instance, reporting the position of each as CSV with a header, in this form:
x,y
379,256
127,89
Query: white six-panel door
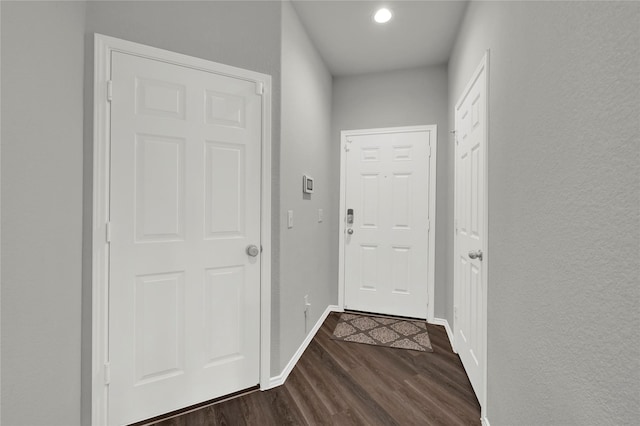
x,y
184,302
386,248
470,230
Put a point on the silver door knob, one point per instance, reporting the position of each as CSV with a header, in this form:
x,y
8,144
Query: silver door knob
x,y
350,231
253,251
475,254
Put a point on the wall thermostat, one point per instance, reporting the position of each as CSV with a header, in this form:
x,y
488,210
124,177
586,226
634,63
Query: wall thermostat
x,y
307,184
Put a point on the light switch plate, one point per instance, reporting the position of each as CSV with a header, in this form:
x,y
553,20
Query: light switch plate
x,y
320,215
289,218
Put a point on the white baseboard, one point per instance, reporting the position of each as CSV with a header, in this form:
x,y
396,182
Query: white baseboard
x,y
445,323
282,377
485,421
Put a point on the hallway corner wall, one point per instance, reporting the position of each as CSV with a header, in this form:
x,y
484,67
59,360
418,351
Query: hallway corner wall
x,y
308,251
42,110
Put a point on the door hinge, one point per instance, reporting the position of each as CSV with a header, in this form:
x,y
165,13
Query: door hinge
x,y
108,232
455,135
107,373
428,225
259,88
429,151
455,225
109,90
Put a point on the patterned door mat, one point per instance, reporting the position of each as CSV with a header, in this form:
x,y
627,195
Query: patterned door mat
x,y
383,331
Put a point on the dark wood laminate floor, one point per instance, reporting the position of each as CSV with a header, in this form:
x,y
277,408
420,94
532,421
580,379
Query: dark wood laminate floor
x,y
340,383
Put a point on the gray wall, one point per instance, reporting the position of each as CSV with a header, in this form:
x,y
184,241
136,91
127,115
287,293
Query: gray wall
x,y
245,34
42,72
0,214
308,250
563,308
402,98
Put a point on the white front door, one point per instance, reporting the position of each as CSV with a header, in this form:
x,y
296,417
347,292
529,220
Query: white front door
x,y
184,302
470,290
388,207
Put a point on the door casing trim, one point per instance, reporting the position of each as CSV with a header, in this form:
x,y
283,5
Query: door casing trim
x,y
344,135
482,66
103,47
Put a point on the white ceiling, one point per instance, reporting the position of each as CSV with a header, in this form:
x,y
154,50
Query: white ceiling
x,y
421,33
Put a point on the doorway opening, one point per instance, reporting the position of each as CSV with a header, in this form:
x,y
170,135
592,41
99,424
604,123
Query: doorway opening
x,y
147,199
387,220
471,229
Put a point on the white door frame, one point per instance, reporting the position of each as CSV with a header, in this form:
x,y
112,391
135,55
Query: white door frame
x,y
344,140
483,66
104,46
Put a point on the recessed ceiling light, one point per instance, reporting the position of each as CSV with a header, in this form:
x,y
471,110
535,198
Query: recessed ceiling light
x,y
382,15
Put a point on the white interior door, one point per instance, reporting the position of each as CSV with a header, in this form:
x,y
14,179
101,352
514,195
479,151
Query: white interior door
x,y
470,230
184,302
387,247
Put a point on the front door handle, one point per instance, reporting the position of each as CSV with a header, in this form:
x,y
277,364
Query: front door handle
x,y
350,231
475,255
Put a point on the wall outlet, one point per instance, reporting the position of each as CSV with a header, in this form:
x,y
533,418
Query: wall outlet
x,y
320,215
289,218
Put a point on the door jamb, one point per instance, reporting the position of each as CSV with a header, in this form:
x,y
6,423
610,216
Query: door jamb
x,y
344,141
103,47
482,66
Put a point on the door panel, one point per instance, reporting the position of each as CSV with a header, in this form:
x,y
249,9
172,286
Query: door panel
x,y
224,295
224,190
370,200
160,98
386,255
185,202
400,260
470,207
401,200
159,310
159,188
